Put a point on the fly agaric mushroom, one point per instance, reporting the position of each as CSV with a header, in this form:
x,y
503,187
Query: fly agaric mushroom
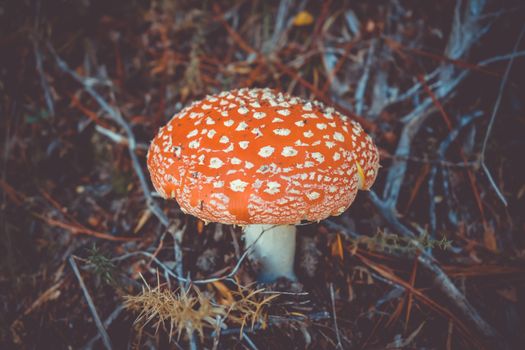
x,y
263,160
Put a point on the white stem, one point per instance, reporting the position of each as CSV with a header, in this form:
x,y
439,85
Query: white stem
x,y
274,250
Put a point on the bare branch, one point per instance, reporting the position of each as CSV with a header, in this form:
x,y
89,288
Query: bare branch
x,y
116,116
361,85
117,138
493,118
459,44
43,81
334,315
107,322
177,235
103,334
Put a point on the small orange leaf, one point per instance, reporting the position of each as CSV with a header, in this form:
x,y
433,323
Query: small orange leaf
x,y
489,239
227,297
93,221
337,247
200,226
349,283
143,219
303,18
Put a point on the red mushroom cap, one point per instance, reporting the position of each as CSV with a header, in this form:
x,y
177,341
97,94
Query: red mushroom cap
x,y
256,156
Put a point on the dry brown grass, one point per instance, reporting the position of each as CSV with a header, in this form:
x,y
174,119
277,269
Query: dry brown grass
x,y
249,307
182,310
190,310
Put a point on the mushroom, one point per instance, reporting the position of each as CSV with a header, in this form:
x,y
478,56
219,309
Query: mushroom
x,y
263,160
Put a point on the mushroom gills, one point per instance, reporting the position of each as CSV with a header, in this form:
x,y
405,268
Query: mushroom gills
x,y
273,248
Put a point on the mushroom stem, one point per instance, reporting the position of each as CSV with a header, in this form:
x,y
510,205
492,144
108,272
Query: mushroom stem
x,y
274,250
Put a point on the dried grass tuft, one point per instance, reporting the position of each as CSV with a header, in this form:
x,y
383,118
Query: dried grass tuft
x,y
182,310
192,311
249,307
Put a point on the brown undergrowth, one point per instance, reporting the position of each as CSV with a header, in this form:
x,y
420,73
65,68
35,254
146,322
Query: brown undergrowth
x,y
191,310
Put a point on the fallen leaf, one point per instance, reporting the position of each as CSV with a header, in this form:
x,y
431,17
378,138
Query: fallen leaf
x,y
200,226
489,239
142,221
51,293
93,221
227,297
303,18
351,294
337,247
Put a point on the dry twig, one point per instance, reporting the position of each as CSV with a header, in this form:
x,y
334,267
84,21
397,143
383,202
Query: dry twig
x,y
493,118
107,322
334,315
116,116
100,326
458,45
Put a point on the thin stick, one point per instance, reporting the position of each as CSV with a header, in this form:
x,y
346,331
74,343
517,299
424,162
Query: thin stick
x,y
107,322
76,230
217,333
43,81
361,86
192,340
98,322
117,138
332,297
249,341
177,251
493,118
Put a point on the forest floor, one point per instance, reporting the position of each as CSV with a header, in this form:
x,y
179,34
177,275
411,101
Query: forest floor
x,y
432,258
